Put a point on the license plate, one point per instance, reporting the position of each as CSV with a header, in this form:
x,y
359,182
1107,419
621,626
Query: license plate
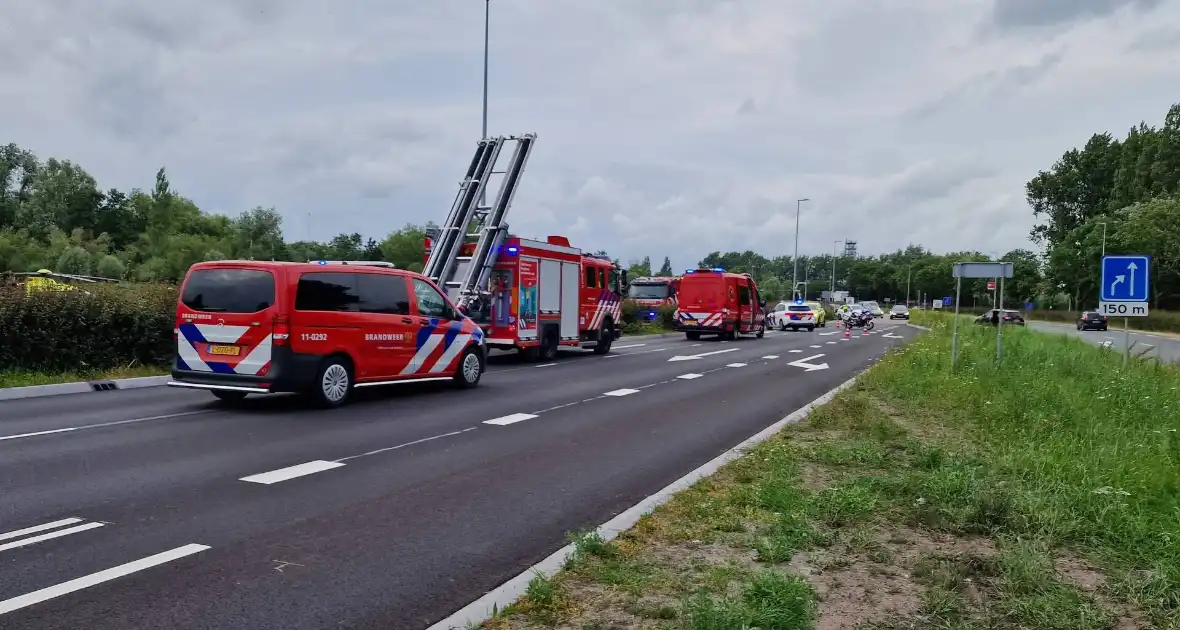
x,y
223,350
690,322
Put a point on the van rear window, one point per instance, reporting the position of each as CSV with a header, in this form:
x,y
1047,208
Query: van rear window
x,y
229,290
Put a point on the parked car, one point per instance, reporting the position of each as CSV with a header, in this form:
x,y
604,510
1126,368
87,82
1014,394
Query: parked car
x,y
873,308
899,311
1092,320
1010,317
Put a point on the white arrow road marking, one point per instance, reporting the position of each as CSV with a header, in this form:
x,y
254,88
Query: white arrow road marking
x,y
690,376
693,357
891,336
810,367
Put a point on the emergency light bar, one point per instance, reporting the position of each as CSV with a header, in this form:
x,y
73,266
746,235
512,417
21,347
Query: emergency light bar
x,y
363,263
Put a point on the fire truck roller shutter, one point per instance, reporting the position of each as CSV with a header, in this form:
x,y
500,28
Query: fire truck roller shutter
x,y
571,286
550,287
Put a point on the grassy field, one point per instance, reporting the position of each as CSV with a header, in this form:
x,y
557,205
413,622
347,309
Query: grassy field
x,y
22,379
1040,494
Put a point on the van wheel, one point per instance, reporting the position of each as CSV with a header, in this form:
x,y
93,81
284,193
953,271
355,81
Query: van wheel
x,y
606,337
761,331
229,396
333,382
692,336
549,344
470,369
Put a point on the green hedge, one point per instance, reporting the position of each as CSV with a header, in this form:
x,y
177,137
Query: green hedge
x,y
101,328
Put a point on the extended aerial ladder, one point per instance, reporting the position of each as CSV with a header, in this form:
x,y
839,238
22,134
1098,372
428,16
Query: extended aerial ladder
x,y
464,277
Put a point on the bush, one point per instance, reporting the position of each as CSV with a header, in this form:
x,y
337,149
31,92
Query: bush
x,y
101,328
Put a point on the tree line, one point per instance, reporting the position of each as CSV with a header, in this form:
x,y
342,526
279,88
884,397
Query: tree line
x,y
53,215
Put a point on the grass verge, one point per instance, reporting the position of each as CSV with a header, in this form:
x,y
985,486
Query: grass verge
x,y
1041,493
23,379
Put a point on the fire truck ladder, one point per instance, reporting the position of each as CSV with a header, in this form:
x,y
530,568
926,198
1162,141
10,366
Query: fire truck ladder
x,y
464,277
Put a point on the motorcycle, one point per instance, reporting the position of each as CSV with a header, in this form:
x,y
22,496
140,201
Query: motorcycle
x,y
863,319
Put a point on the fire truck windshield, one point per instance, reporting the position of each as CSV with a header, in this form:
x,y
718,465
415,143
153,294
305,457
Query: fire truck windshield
x,y
656,291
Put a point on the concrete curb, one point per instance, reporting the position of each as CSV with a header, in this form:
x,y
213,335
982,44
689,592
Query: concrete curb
x,y
481,609
921,328
81,387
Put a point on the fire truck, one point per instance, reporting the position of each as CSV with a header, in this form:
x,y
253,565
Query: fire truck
x,y
529,295
650,293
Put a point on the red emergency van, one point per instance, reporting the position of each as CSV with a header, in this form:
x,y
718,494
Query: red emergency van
x,y
318,328
716,302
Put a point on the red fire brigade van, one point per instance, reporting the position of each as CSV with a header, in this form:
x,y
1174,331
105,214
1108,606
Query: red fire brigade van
x,y
543,295
318,328
715,302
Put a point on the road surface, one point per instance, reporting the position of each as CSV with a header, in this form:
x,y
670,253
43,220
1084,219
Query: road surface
x,y
1162,347
159,508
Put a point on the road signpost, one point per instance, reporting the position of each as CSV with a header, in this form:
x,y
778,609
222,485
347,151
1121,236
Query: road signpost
x,y
1124,291
946,301
973,270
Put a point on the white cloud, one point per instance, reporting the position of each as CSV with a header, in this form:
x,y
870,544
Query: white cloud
x,y
665,127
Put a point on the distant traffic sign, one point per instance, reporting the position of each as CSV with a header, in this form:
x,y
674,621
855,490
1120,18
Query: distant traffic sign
x,y
946,301
1124,291
991,285
1028,306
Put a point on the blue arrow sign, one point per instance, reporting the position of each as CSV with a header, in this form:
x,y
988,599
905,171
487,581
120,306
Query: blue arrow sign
x,y
946,301
1125,278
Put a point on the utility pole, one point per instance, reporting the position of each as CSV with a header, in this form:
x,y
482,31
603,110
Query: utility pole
x,y
487,13
833,289
908,274
795,258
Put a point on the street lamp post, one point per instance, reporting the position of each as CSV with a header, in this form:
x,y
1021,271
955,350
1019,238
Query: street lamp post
x,y
795,258
835,244
487,11
908,274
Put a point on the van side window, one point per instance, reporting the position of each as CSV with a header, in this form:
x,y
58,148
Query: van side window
x,y
590,277
383,293
327,292
744,295
602,278
431,303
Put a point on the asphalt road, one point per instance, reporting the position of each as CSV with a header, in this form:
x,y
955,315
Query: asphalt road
x,y
1162,347
131,509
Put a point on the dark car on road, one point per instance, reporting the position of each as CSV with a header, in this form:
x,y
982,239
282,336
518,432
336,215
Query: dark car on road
x,y
899,311
1092,320
1010,317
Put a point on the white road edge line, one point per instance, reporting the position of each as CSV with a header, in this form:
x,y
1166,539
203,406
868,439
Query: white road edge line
x,y
102,424
511,418
291,472
621,392
65,588
500,597
50,536
630,345
40,528
545,365
690,376
394,448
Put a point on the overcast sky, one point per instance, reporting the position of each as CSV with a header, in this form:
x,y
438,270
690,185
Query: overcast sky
x,y
665,127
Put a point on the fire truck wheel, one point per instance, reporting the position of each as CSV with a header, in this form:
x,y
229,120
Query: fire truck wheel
x,y
606,336
470,369
761,331
549,344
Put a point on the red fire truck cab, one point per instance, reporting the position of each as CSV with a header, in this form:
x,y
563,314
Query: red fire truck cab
x,y
716,302
650,293
543,295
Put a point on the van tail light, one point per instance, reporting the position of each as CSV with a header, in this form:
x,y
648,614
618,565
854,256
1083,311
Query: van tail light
x,y
281,330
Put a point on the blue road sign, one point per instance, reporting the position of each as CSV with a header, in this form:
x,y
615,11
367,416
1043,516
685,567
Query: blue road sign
x,y
1124,278
946,301
1028,306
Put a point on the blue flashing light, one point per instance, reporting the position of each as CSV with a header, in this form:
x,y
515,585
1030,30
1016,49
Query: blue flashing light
x,y
798,300
651,313
512,249
690,271
718,269
321,262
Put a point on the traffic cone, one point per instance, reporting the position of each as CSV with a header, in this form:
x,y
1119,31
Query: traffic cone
x,y
847,333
